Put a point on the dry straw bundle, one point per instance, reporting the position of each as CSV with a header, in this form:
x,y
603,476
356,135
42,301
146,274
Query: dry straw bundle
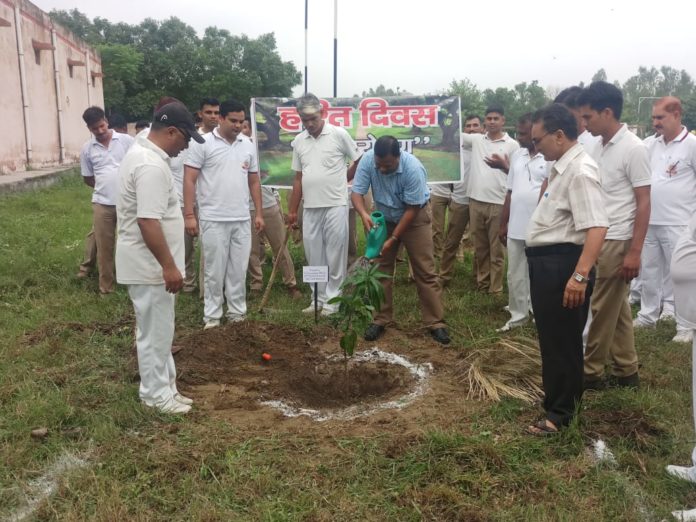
x,y
510,368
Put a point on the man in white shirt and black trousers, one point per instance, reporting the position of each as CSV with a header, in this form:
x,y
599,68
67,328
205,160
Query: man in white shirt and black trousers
x,y
564,238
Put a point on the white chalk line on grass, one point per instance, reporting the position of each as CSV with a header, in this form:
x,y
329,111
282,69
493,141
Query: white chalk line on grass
x,y
603,456
46,485
420,372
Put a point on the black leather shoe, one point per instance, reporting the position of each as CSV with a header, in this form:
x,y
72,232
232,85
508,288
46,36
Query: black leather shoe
x,y
440,335
594,384
373,332
630,381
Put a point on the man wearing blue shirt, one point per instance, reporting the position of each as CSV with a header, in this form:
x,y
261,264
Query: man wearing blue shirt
x,y
400,192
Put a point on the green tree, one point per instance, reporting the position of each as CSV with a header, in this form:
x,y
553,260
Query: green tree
x,y
382,91
689,107
122,65
470,96
144,62
653,83
600,76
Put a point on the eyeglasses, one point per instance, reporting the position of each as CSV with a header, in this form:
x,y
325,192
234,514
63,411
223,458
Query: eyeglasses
x,y
186,136
536,141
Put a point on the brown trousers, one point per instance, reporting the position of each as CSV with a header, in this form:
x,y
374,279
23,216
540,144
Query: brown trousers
x,y
439,206
458,220
90,258
105,239
189,251
275,233
611,330
353,229
489,251
418,240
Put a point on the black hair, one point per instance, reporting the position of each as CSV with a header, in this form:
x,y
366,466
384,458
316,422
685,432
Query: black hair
x,y
231,106
141,124
557,117
569,97
117,120
602,95
213,102
469,117
525,118
495,108
387,146
93,115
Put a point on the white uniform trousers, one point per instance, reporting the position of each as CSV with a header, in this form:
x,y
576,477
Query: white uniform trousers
x,y
657,291
519,300
154,322
325,238
636,288
226,247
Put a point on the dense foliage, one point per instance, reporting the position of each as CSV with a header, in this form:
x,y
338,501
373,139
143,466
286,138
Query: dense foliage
x,y
155,58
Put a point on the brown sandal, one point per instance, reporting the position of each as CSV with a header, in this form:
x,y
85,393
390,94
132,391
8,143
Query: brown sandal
x,y
542,428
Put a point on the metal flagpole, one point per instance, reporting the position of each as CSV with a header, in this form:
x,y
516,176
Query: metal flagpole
x,y
335,75
306,11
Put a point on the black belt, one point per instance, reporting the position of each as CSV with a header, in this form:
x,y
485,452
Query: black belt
x,y
551,250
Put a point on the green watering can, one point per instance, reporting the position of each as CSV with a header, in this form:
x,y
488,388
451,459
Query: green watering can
x,y
377,236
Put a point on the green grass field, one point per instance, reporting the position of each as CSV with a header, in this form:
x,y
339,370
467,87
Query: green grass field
x,y
66,365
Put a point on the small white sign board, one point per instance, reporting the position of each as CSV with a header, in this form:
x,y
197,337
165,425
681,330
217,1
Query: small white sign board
x,y
315,274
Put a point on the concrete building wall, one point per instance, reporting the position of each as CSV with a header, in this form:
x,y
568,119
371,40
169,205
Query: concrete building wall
x,y
79,85
12,145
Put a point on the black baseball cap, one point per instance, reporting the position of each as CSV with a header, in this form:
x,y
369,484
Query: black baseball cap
x,y
176,114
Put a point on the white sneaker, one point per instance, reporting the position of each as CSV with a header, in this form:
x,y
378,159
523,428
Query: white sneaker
x,y
236,318
183,400
211,323
683,336
638,324
170,406
509,326
667,315
683,472
310,309
506,308
686,515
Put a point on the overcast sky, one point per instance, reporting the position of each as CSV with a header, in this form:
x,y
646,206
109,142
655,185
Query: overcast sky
x,y
421,46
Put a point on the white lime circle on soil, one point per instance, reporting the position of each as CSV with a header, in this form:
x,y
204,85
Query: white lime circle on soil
x,y
420,373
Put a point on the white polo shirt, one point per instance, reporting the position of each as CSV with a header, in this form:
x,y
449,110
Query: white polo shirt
x,y
102,164
176,165
591,144
524,180
146,191
442,190
673,190
223,184
486,184
323,163
623,166
269,198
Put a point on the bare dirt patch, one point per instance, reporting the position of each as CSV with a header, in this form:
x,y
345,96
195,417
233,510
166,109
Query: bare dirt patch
x,y
300,372
632,425
222,370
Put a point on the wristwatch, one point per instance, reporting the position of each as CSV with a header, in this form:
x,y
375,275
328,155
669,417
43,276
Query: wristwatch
x,y
580,278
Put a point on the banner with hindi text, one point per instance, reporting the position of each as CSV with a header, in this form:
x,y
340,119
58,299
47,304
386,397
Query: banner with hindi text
x,y
427,126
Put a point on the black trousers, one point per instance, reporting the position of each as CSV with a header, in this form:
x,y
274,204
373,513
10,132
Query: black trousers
x,y
560,329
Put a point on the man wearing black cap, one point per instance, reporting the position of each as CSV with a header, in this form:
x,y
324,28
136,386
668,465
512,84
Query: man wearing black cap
x,y
150,250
